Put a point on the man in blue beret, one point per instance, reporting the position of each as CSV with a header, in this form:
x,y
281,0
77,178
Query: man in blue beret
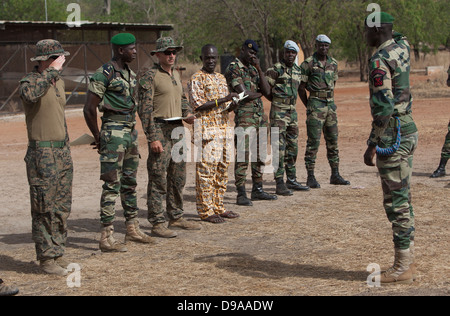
x,y
112,90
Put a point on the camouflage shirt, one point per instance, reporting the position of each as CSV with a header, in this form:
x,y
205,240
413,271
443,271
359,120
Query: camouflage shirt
x,y
236,74
389,85
115,87
284,81
319,77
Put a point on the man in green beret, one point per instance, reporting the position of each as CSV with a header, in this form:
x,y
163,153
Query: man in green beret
x,y
391,107
48,159
111,89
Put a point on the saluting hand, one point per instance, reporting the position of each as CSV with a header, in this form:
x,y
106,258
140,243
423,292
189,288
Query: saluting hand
x,y
58,63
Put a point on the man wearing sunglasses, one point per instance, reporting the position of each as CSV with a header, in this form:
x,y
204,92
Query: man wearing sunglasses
x,y
162,107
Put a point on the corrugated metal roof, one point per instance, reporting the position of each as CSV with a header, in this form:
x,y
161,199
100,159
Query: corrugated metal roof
x,y
165,27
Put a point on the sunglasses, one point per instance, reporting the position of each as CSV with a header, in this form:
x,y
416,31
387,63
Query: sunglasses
x,y
170,52
54,57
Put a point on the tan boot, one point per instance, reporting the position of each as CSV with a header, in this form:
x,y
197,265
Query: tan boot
x,y
135,234
184,224
49,266
108,243
400,272
161,230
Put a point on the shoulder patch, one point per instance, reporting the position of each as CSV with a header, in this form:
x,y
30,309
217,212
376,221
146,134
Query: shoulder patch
x,y
377,76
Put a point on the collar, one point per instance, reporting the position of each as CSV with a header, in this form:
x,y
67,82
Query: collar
x,y
385,44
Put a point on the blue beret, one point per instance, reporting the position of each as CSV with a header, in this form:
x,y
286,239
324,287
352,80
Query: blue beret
x,y
251,44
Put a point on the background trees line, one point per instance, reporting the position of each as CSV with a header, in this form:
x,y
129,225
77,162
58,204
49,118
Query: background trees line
x,y
226,23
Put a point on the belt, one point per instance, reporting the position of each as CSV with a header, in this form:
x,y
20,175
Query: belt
x,y
322,94
285,101
46,144
119,117
163,121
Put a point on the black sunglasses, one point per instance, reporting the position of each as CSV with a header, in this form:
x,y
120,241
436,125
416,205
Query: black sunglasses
x,y
170,52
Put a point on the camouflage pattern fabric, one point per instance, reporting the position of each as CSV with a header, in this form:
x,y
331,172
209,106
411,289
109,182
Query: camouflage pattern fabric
x,y
35,84
119,162
119,153
50,175
285,82
249,118
321,115
167,178
115,87
390,96
446,148
47,48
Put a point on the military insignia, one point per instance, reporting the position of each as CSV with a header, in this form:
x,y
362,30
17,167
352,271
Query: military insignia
x,y
250,45
378,77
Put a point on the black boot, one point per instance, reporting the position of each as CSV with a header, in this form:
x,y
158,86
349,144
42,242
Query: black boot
x,y
311,181
282,189
242,198
292,184
440,171
336,178
258,193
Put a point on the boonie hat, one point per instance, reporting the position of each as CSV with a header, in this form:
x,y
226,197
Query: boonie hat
x,y
47,48
165,43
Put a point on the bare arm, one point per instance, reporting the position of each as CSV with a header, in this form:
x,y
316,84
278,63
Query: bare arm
x,y
90,115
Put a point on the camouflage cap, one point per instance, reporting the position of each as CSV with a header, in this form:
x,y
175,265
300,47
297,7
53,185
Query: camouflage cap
x,y
164,43
47,48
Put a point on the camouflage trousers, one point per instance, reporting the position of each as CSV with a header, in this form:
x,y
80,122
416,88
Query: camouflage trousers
x,y
166,176
395,173
248,124
119,162
286,119
321,116
50,175
212,176
446,148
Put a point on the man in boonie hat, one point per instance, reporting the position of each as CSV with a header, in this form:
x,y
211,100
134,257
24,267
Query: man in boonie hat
x,y
162,107
112,90
48,159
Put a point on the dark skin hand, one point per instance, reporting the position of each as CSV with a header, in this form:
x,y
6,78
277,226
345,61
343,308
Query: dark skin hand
x,y
209,57
369,156
249,57
122,56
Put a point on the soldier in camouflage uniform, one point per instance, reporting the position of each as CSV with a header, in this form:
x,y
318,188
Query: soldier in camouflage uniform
x,y
161,97
284,78
391,107
445,153
319,76
111,89
48,159
244,74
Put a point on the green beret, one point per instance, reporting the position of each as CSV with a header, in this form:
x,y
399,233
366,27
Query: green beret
x,y
384,18
123,39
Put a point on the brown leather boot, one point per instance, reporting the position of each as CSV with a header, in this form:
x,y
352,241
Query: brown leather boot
x,y
49,266
400,272
107,241
135,234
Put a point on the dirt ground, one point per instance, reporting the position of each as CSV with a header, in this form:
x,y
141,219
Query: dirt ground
x,y
313,243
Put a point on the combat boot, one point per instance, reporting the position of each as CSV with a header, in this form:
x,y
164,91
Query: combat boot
x,y
413,265
135,234
282,189
107,241
161,230
7,290
311,181
242,198
336,178
182,223
292,184
440,171
49,266
258,193
400,272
